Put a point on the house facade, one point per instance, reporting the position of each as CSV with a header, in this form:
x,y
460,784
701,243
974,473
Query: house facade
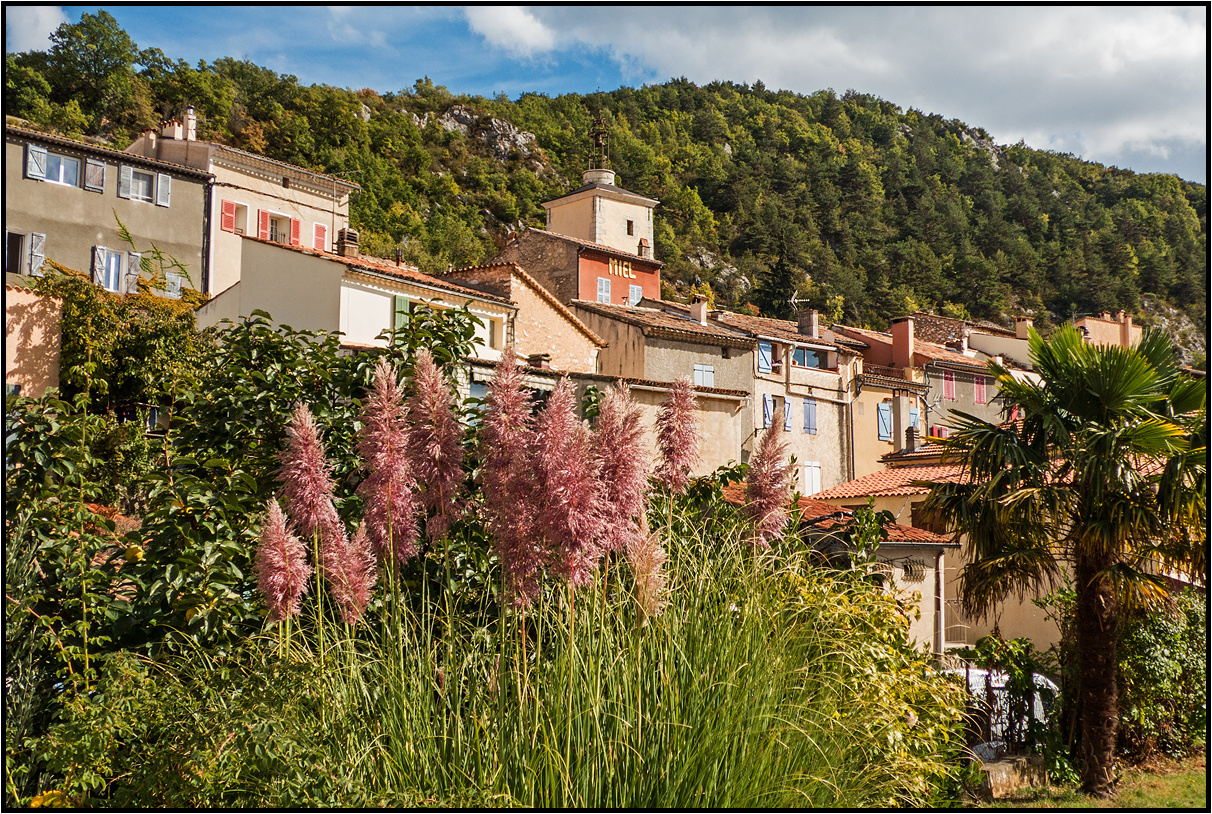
x,y
361,297
253,196
63,200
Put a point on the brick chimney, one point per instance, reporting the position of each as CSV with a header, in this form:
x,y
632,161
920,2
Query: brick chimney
x,y
1022,327
809,323
902,342
698,309
347,242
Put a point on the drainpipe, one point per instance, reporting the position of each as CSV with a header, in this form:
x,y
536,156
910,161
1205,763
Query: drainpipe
x,y
208,201
940,603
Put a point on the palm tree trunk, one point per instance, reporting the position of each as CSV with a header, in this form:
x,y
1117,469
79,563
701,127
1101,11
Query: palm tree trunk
x,y
1097,624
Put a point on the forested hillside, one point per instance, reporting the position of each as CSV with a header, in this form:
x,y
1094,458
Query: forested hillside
x,y
856,206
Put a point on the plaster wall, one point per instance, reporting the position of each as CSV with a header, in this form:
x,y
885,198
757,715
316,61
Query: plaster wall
x,y
622,274
31,340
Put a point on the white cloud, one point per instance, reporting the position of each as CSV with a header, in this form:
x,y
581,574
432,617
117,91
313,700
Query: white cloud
x,y
511,28
28,28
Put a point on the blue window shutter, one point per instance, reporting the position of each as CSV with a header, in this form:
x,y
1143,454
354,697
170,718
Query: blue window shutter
x,y
765,352
810,416
786,415
884,420
767,410
913,417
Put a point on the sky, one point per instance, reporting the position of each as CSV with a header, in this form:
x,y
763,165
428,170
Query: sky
x,y
1125,86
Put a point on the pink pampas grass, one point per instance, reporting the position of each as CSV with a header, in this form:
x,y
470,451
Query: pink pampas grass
x,y
506,441
623,463
647,559
571,519
435,446
351,573
768,488
388,490
281,566
677,437
306,482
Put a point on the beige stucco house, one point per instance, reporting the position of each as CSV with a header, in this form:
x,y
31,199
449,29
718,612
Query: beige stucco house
x,y
253,196
63,199
362,297
31,339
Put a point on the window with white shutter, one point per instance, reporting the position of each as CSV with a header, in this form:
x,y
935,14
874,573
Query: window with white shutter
x,y
164,189
35,162
767,410
603,289
107,269
37,253
704,376
812,477
786,415
635,293
130,281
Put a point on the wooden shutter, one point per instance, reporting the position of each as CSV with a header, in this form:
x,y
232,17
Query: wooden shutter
x,y
636,293
320,238
980,390
99,253
812,477
767,410
296,230
765,352
262,224
948,385
810,416
399,312
125,175
37,253
884,421
227,216
603,289
35,162
786,415
94,175
130,281
164,189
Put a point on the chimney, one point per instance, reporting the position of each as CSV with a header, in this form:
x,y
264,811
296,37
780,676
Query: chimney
x,y
698,309
191,124
172,130
809,323
347,242
910,440
902,342
1022,327
1125,329
645,248
539,360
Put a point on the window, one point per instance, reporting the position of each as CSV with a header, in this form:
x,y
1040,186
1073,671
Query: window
x,y
812,477
24,253
704,376
802,357
94,175
42,165
884,421
939,431
634,294
765,360
278,228
140,186
913,414
603,289
400,310
948,385
116,271
980,390
810,416
767,410
631,227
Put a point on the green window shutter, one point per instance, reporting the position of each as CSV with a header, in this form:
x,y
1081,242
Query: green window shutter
x,y
399,313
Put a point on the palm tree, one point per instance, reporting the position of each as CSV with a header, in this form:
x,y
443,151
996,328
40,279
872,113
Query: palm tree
x,y
1101,477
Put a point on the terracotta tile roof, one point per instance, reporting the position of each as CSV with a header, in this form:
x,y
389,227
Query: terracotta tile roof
x,y
106,152
893,482
827,517
659,323
514,270
589,244
922,349
783,329
940,330
388,267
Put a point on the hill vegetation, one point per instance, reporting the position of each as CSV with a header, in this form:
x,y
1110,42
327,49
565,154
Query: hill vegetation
x,y
853,204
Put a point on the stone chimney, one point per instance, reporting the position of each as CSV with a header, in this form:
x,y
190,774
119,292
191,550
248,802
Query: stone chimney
x,y
809,323
1022,327
902,342
539,360
347,242
172,129
910,440
698,309
191,124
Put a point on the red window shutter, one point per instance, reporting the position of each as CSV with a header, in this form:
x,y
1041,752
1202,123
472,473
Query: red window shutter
x,y
948,385
321,238
296,228
227,218
262,224
980,390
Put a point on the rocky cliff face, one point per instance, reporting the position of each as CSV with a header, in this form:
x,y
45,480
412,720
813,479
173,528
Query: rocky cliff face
x,y
502,138
1191,341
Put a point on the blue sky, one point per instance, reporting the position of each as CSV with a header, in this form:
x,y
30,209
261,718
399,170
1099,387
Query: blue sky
x,y
1122,85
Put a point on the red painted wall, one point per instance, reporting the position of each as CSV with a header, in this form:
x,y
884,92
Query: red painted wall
x,y
622,275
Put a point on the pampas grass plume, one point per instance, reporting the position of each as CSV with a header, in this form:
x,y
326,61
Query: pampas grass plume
x,y
281,565
677,437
